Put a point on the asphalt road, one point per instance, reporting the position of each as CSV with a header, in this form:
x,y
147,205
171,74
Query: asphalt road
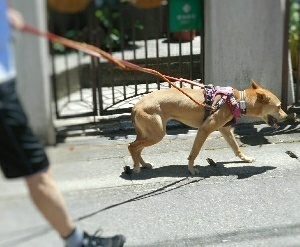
x,y
230,204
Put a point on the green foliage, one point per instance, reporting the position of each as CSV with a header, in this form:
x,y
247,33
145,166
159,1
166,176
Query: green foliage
x,y
109,19
294,29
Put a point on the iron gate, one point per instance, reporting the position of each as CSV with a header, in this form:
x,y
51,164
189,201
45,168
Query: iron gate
x,y
291,55
85,86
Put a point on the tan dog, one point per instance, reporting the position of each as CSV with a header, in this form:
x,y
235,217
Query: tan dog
x,y
152,112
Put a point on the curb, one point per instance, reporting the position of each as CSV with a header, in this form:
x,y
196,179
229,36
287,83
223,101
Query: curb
x,y
114,124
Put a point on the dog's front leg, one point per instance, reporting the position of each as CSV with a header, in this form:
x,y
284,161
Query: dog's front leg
x,y
230,139
201,136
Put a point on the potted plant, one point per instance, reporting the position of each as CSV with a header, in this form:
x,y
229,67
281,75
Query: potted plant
x,y
184,36
145,4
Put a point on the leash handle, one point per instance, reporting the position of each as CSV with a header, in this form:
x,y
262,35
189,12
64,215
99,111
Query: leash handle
x,y
96,52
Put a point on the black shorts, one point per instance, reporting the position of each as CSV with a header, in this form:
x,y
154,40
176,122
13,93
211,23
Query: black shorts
x,y
20,152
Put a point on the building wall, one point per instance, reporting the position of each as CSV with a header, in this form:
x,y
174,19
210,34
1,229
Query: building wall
x,y
32,62
244,41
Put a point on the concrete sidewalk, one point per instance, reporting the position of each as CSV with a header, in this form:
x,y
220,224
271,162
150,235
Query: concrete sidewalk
x,y
84,160
89,171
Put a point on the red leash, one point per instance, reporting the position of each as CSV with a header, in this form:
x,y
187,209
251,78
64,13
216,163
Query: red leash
x,y
96,52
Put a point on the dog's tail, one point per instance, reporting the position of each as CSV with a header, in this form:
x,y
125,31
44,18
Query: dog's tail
x,y
133,114
134,120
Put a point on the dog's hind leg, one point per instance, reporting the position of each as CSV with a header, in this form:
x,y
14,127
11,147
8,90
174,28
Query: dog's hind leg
x,y
142,162
135,148
150,130
230,139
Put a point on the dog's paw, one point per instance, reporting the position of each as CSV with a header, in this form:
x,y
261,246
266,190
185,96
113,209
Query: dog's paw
x,y
193,171
147,165
137,169
248,159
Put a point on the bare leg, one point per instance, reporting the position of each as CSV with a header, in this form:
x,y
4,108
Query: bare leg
x,y
48,199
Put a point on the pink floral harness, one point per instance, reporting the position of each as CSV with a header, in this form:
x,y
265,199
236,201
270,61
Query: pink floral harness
x,y
227,96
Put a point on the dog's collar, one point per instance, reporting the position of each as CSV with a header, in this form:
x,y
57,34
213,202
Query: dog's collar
x,y
242,102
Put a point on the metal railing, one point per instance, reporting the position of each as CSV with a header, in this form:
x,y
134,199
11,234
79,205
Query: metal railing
x,y
85,86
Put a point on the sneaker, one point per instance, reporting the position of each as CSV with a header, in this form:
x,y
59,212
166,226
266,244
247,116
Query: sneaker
x,y
95,241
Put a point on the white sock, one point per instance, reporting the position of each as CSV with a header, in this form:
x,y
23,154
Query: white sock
x,y
75,239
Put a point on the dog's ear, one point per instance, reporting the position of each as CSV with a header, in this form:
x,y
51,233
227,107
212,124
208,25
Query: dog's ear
x,y
262,97
255,85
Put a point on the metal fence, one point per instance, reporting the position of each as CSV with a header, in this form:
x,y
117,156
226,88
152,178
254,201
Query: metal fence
x,y
293,26
85,86
291,55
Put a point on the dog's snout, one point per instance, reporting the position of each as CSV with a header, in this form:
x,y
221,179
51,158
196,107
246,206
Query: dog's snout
x,y
282,115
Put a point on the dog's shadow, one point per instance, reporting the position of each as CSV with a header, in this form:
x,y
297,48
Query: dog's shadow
x,y
218,170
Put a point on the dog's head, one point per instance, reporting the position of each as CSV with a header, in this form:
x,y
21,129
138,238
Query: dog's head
x,y
269,106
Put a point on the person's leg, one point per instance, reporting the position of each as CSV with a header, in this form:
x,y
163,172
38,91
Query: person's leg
x,y
48,199
21,155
